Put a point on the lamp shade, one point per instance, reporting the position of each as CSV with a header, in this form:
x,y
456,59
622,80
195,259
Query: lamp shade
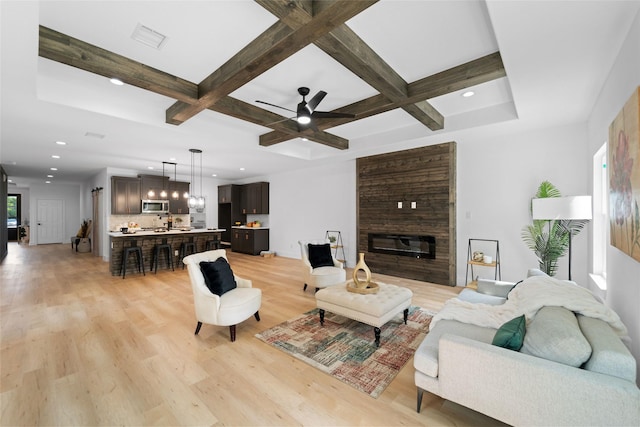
x,y
556,208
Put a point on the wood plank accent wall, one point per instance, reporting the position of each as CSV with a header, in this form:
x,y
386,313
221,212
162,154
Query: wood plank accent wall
x,y
427,176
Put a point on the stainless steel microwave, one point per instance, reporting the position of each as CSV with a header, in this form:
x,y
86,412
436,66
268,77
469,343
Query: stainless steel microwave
x,y
155,206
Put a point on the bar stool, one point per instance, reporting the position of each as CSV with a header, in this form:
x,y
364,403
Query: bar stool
x,y
133,249
190,246
157,250
212,244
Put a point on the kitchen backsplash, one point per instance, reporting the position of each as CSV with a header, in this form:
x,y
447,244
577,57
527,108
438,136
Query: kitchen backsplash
x,y
147,221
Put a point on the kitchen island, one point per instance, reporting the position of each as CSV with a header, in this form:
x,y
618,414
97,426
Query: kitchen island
x,y
147,239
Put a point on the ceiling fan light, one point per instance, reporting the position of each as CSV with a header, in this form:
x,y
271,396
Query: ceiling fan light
x,y
304,119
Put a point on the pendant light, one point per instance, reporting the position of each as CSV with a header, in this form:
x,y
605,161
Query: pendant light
x,y
175,195
196,202
163,193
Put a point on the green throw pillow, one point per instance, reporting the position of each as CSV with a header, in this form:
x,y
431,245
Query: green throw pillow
x,y
511,334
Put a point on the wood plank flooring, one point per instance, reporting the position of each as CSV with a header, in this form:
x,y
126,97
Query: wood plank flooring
x,y
80,347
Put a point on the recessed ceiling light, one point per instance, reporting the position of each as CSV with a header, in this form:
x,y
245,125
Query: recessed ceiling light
x,y
214,174
148,36
241,169
49,176
150,168
54,169
116,81
47,182
305,139
173,159
61,143
468,93
55,156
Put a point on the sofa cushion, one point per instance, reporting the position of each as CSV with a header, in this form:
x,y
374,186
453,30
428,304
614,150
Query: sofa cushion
x,y
554,334
609,355
320,255
494,288
218,276
425,359
511,334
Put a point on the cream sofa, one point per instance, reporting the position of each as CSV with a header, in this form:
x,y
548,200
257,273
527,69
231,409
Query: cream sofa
x,y
458,361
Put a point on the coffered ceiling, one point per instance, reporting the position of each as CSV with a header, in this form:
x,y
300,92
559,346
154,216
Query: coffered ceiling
x,y
399,66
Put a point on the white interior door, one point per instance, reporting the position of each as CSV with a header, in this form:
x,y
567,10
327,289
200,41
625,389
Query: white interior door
x,y
50,221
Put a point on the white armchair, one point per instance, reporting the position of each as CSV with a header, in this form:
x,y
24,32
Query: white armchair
x,y
232,307
321,277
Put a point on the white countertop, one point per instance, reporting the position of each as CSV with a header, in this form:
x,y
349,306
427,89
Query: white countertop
x,y
164,233
244,227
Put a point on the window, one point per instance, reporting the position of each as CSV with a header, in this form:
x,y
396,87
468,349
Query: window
x,y
13,210
600,217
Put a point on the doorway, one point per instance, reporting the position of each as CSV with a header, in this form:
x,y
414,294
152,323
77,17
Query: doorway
x,y
14,214
50,221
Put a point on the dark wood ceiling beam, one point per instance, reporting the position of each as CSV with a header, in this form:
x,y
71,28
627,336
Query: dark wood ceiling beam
x,y
472,73
346,47
76,53
270,48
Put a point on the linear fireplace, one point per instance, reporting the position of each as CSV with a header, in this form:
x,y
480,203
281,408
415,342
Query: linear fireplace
x,y
404,245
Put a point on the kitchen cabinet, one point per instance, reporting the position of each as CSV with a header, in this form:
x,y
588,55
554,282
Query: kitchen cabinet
x,y
125,195
181,204
255,198
154,184
225,193
250,241
229,210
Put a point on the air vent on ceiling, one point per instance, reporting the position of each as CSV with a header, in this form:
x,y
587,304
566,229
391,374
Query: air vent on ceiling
x,y
94,135
148,36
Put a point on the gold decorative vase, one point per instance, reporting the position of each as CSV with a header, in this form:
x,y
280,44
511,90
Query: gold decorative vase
x,y
361,266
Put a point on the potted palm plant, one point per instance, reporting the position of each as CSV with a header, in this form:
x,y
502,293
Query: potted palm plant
x,y
549,239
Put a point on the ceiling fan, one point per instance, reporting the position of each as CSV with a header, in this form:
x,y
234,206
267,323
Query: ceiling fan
x,y
306,112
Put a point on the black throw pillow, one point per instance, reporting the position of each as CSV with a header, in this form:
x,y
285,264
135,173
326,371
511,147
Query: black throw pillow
x,y
320,255
218,276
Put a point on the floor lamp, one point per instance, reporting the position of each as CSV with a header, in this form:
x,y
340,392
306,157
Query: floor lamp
x,y
562,209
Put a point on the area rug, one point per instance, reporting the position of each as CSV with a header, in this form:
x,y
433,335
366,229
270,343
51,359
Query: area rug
x,y
345,348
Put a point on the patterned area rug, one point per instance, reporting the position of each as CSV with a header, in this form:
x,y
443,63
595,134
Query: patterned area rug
x,y
345,349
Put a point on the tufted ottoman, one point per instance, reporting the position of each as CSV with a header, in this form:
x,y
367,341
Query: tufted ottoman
x,y
372,309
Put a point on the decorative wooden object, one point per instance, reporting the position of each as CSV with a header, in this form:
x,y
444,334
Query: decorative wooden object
x,y
361,266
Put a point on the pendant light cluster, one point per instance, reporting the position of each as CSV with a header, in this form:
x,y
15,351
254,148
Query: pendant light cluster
x,y
196,202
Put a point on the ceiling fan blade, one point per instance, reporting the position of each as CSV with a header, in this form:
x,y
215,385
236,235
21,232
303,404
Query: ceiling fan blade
x,y
317,98
274,105
330,115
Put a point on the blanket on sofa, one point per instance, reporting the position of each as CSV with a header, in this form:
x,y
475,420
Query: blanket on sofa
x,y
527,298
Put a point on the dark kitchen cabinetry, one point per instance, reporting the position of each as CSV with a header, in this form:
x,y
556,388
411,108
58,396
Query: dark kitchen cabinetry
x,y
229,210
225,193
255,198
181,204
125,195
152,185
250,240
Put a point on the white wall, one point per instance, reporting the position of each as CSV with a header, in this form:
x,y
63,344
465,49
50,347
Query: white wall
x,y
623,272
304,204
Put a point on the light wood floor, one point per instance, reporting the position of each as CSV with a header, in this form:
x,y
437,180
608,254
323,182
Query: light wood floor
x,y
80,347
